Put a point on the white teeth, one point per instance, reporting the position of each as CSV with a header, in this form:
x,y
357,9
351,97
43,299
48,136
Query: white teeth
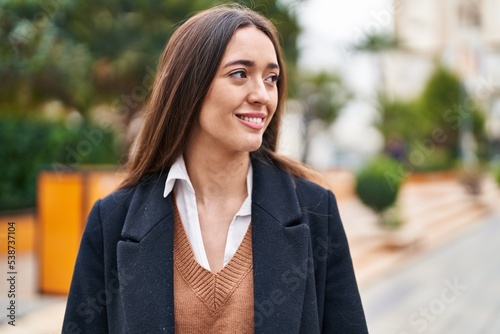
x,y
252,119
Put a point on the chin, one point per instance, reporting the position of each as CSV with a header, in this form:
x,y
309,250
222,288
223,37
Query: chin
x,y
253,146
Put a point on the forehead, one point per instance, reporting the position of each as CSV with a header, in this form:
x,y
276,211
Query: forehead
x,y
250,43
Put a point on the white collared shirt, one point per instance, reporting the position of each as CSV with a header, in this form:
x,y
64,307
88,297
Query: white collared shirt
x,y
186,203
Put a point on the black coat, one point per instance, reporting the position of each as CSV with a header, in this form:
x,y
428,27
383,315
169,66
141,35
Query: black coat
x,y
302,270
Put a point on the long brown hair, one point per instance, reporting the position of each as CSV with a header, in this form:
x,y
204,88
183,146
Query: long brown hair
x,y
185,72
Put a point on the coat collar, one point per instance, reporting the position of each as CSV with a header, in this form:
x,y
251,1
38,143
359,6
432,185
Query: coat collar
x,y
281,249
273,192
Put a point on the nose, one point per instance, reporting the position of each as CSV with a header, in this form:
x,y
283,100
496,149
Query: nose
x,y
259,93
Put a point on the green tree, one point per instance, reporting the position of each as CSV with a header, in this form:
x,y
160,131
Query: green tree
x,y
36,62
432,125
398,118
323,95
84,52
446,106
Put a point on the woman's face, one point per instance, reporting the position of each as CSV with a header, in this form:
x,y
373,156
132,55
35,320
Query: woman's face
x,y
243,95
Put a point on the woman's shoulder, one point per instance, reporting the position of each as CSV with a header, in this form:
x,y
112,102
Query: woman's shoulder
x,y
119,197
305,179
148,190
123,196
311,191
114,206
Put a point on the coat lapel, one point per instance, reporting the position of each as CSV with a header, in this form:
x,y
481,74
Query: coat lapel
x,y
281,251
145,261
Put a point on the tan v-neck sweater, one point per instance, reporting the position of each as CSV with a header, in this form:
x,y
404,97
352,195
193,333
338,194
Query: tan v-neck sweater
x,y
206,302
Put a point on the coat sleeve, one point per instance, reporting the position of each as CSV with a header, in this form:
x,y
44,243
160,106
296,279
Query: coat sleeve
x,y
343,308
86,306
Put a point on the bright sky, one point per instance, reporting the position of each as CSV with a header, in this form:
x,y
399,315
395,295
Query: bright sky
x,y
330,26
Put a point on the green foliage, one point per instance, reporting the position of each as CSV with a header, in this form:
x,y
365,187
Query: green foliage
x,y
496,172
436,118
85,52
378,183
433,160
376,42
36,62
403,126
31,144
441,99
399,119
445,105
324,95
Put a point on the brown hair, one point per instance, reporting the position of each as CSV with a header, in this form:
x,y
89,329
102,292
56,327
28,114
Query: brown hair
x,y
185,72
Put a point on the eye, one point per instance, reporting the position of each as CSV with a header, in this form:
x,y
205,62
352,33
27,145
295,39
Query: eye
x,y
273,79
240,74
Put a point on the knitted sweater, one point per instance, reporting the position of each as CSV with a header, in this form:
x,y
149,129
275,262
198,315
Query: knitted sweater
x,y
206,302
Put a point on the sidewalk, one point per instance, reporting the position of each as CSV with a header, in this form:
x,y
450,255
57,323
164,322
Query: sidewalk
x,y
35,313
453,289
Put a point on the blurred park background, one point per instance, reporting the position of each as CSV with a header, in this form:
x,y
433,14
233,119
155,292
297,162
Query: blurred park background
x,y
396,103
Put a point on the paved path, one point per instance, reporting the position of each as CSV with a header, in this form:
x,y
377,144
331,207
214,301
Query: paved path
x,y
453,289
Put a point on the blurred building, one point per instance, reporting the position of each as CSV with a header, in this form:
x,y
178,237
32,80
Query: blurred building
x,y
464,34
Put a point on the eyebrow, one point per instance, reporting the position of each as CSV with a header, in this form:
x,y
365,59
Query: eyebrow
x,y
250,63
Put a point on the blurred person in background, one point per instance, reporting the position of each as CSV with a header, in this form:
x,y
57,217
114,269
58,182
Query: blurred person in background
x,y
211,230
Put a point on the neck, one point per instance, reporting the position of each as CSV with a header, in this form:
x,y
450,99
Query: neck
x,y
217,176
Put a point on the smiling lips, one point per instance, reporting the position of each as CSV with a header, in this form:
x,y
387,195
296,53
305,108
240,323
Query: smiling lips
x,y
254,120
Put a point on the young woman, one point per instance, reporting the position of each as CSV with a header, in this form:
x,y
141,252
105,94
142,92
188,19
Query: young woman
x,y
212,231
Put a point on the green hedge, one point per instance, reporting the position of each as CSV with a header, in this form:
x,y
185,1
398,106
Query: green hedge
x,y
378,183
29,144
496,173
436,118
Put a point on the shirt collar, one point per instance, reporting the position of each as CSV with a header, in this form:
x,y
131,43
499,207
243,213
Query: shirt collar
x,y
178,171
